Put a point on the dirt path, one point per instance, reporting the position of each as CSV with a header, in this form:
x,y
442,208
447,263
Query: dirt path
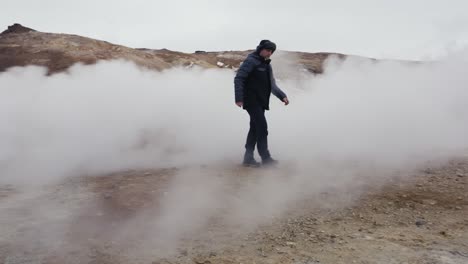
x,y
108,219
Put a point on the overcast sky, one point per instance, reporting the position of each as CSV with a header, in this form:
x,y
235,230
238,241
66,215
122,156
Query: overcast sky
x,y
410,29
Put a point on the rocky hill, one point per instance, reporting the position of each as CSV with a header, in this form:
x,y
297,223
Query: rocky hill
x,y
21,46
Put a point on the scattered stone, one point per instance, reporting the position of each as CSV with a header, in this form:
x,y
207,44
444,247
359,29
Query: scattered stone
x,y
420,222
290,244
200,260
430,202
280,251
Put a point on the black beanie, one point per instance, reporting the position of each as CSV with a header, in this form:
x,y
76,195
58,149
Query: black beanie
x,y
266,44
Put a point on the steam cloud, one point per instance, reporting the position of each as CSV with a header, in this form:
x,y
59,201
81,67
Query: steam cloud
x,y
361,121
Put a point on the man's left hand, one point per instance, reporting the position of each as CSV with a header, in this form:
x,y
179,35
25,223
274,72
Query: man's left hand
x,y
285,101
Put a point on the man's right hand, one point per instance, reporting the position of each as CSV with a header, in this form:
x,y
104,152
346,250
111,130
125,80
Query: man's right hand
x,y
240,104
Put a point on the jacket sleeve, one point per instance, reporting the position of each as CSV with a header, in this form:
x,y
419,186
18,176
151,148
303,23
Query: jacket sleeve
x,y
241,77
275,89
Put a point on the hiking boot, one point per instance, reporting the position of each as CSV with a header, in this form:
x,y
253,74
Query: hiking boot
x,y
251,163
269,162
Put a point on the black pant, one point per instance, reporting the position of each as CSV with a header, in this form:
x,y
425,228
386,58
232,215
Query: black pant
x,y
258,133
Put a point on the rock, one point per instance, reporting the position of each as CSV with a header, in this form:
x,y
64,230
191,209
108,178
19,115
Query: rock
x,y
200,260
220,64
280,251
290,244
17,28
430,202
420,223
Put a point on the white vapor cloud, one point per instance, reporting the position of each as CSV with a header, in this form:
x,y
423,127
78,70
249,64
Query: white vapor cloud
x,y
360,122
112,115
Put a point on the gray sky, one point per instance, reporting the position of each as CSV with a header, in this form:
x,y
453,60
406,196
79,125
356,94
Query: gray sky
x,y
410,29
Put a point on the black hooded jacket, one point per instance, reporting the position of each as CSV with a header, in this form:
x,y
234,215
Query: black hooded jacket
x,y
254,82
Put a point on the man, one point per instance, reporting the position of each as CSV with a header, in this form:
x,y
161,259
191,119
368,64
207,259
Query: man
x,y
253,84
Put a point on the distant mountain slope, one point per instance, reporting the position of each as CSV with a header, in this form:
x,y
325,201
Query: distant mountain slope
x,y
21,46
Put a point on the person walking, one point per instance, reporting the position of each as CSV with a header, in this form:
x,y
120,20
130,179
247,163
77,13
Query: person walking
x,y
253,85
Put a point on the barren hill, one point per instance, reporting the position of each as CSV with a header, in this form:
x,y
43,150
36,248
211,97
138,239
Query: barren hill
x,y
20,46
